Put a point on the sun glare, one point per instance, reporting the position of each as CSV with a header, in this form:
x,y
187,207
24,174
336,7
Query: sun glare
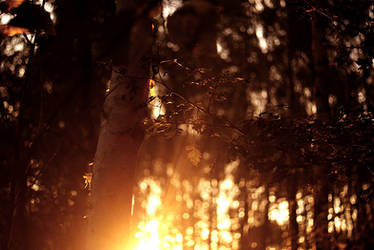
x,y
170,6
149,237
279,213
159,231
169,228
262,41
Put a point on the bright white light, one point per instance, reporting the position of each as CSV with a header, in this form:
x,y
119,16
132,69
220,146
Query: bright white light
x,y
226,236
221,51
219,48
156,104
361,96
258,101
259,32
19,46
35,187
48,7
5,18
311,108
149,238
205,234
170,6
279,213
227,184
158,109
21,72
258,5
262,41
153,203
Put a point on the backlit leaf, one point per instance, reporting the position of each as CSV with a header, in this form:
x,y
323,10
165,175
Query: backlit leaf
x,y
87,180
194,155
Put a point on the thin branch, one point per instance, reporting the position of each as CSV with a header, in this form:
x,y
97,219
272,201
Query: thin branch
x,y
202,109
332,18
27,39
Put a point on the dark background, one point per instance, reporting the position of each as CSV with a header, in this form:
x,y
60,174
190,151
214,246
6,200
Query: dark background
x,y
288,95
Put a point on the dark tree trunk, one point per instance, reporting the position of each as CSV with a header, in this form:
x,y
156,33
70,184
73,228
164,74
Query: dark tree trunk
x,y
320,67
321,75
18,226
321,206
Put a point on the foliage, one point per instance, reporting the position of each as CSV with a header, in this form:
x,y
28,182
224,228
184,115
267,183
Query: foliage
x,y
282,113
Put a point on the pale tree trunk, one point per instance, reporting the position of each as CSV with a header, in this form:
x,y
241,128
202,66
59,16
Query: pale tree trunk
x,y
119,140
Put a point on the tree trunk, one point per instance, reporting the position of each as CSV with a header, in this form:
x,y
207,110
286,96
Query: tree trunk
x,y
18,221
320,68
321,74
321,206
293,226
119,140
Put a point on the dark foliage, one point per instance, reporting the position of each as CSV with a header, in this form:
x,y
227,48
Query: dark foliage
x,y
289,94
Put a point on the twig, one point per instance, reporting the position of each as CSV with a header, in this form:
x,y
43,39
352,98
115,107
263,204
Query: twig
x,y
323,13
227,121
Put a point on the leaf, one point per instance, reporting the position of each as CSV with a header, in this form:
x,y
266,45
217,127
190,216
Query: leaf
x,y
151,83
194,155
152,90
87,180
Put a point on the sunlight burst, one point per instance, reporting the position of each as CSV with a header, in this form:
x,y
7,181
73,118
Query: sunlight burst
x,y
279,213
149,237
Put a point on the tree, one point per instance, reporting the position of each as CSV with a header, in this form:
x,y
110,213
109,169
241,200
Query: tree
x,y
256,131
122,131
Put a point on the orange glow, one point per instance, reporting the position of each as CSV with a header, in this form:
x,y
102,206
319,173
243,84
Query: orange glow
x,y
149,237
158,229
12,30
87,177
14,3
151,84
155,103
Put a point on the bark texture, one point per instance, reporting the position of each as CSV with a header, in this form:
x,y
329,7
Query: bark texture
x,y
120,138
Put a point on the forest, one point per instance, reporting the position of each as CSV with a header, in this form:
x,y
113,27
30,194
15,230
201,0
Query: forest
x,y
186,124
